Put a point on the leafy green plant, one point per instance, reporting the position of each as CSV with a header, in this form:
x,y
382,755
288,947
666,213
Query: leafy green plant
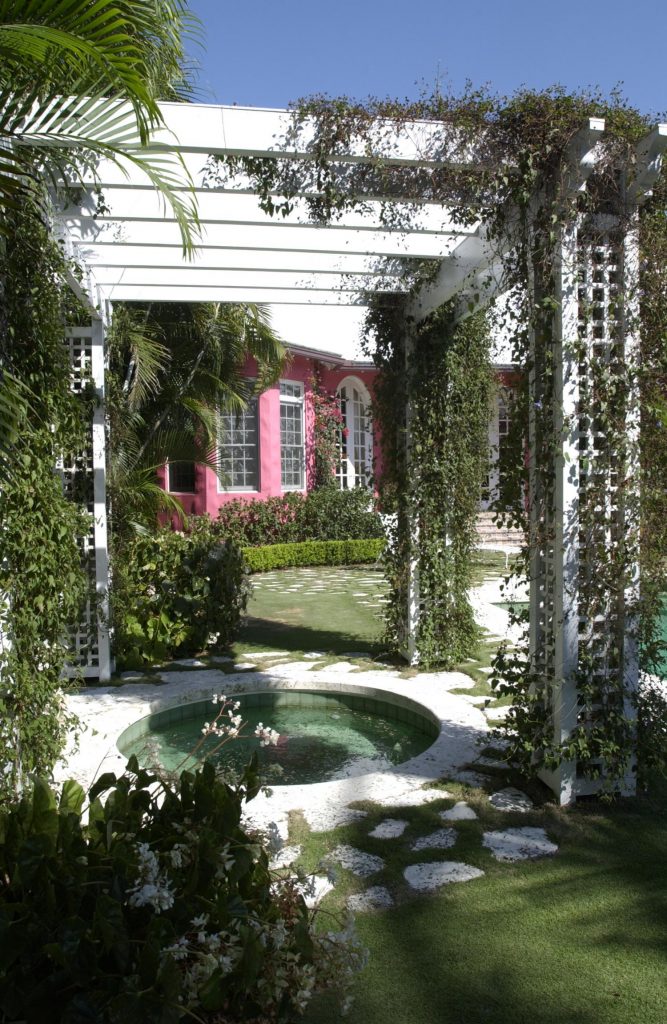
x,y
154,905
176,594
313,552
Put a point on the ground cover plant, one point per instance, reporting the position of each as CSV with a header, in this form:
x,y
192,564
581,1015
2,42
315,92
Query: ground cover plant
x,y
159,908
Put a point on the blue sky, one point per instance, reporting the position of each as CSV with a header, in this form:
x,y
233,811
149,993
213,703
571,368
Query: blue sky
x,y
262,53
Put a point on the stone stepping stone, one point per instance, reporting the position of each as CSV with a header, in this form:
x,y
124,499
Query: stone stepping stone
x,y
242,666
427,877
511,799
133,677
341,666
357,861
190,663
285,857
374,898
356,654
324,817
391,828
500,712
415,798
440,840
461,811
513,844
490,762
312,655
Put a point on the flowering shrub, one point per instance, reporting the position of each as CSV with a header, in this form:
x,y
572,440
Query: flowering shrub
x,y
325,514
161,909
174,594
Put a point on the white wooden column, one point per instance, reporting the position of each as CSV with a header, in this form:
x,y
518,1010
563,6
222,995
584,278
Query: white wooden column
x,y
84,481
555,515
412,595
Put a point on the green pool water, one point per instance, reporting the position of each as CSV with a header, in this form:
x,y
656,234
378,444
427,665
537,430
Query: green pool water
x,y
321,737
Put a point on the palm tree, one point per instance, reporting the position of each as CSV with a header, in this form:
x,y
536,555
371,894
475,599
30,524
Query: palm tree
x,y
172,368
80,82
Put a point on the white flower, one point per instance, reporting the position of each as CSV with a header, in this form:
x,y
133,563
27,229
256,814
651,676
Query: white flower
x,y
199,922
267,737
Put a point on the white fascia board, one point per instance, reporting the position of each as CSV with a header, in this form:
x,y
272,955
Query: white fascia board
x,y
129,203
195,279
248,131
275,236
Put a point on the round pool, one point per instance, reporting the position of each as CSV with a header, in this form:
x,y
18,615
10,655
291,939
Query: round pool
x,y
323,736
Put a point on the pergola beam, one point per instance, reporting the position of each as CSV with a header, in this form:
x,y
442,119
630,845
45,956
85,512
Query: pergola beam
x,y
648,163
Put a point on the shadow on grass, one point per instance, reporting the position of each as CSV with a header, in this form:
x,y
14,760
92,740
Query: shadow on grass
x,y
295,637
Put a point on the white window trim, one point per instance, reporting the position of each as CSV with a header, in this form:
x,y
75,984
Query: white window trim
x,y
299,400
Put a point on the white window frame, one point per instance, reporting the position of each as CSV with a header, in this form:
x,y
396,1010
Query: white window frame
x,y
349,476
297,400
172,490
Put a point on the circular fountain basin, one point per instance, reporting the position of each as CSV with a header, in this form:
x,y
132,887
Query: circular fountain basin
x,y
324,736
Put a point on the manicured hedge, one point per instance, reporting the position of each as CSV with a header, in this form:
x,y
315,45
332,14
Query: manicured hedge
x,y
313,552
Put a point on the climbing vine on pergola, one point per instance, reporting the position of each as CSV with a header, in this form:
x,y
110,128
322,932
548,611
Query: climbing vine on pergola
x,y
566,207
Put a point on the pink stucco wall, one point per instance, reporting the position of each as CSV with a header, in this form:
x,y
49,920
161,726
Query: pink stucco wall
x,y
210,494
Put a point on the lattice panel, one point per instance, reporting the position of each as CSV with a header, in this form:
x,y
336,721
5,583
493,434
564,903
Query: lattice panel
x,y
83,483
601,370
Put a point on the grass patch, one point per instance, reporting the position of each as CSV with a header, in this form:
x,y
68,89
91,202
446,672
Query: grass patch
x,y
574,939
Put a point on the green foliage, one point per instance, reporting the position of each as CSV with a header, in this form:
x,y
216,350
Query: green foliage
x,y
323,514
175,594
41,577
160,909
435,466
81,81
313,552
519,185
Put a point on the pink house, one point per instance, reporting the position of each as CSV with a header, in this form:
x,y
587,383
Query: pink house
x,y
268,449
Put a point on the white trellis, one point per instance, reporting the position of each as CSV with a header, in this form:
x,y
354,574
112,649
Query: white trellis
x,y
130,248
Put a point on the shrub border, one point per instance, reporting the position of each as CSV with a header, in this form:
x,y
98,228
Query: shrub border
x,y
313,552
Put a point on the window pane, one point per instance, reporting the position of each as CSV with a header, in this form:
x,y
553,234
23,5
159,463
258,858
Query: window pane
x,y
182,477
291,436
238,448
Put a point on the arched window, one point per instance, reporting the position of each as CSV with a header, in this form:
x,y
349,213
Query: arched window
x,y
355,468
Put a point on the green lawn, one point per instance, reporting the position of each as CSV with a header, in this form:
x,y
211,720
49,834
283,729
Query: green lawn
x,y
579,938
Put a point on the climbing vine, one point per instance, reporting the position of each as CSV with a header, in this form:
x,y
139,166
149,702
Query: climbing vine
x,y
509,165
327,428
42,585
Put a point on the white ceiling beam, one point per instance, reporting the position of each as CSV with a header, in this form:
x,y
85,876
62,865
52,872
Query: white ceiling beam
x,y
472,255
120,255
276,237
648,163
128,203
192,277
267,296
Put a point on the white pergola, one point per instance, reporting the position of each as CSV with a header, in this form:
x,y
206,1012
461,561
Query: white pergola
x,y
130,248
